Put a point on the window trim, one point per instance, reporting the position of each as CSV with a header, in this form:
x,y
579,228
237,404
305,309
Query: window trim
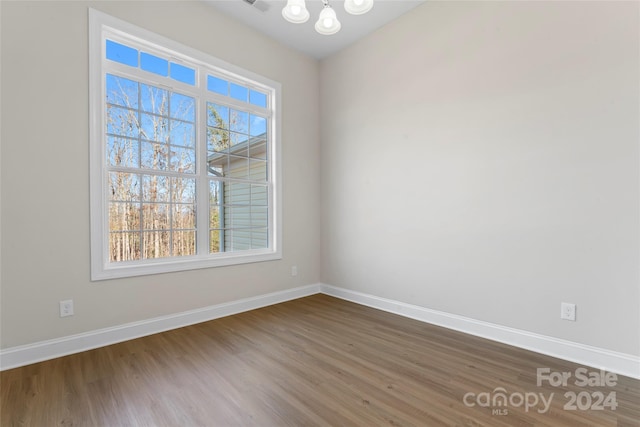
x,y
101,269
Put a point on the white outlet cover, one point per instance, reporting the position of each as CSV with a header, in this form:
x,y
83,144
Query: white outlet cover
x,y
568,311
66,308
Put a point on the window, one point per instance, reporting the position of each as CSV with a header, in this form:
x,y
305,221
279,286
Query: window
x,y
184,157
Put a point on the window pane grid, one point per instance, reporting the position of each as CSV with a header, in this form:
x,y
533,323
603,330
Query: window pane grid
x,y
159,218
138,58
237,144
167,139
239,91
238,216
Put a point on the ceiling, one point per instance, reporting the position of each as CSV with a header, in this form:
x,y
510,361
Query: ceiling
x,y
266,17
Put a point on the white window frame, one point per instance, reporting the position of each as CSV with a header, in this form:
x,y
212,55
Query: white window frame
x,y
102,25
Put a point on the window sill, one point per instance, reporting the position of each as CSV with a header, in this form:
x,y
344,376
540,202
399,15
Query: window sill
x,y
159,266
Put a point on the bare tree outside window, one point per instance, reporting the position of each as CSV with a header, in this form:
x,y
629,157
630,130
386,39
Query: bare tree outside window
x,y
150,131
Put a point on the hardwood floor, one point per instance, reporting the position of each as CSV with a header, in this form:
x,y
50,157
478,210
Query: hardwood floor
x,y
313,361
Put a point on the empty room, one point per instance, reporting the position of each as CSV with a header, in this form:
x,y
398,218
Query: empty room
x,y
319,213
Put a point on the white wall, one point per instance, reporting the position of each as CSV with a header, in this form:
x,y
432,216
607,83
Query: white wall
x,y
477,158
45,175
481,159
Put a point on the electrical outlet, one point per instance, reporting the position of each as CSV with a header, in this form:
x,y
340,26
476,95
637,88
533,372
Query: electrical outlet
x,y
294,270
66,308
568,311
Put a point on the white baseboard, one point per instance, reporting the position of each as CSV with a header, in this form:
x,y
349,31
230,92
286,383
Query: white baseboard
x,y
44,350
599,358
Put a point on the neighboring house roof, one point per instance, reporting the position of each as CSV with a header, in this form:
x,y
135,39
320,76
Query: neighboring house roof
x,y
256,145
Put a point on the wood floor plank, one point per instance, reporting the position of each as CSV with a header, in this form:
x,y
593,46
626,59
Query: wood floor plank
x,y
315,361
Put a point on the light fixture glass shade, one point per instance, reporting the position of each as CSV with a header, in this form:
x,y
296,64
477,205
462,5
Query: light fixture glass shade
x,y
295,11
328,22
358,7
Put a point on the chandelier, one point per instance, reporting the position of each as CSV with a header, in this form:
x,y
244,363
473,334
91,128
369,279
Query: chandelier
x,y
296,11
